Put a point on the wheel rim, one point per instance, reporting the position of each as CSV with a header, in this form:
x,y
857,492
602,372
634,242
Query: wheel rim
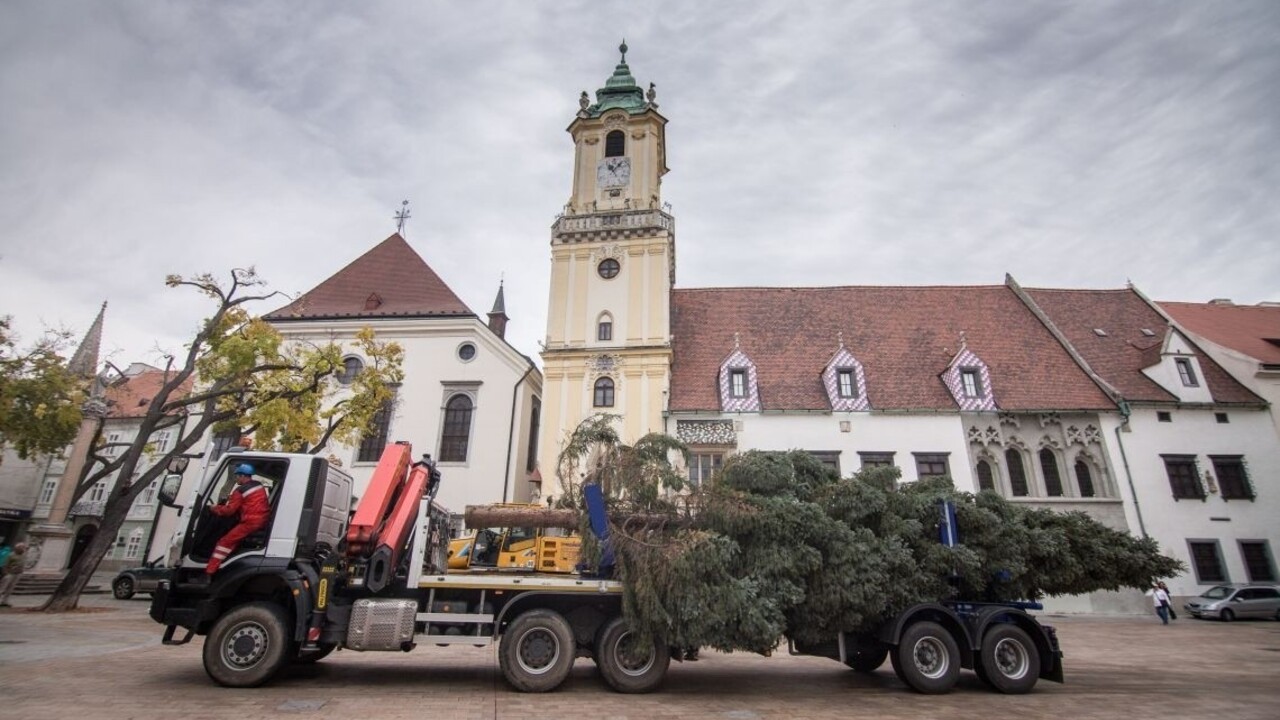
x,y
1228,615
538,649
124,586
930,657
1012,659
245,646
624,659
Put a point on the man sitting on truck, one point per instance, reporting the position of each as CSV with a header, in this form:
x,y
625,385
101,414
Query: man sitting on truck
x,y
249,499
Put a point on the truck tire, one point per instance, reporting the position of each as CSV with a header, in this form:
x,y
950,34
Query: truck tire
x,y
1009,661
927,658
867,661
122,588
247,645
621,671
537,651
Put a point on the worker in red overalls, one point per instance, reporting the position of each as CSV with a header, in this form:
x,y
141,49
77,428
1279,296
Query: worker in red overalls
x,y
249,499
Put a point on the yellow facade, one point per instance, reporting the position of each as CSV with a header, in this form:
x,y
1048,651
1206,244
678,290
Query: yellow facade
x,y
613,263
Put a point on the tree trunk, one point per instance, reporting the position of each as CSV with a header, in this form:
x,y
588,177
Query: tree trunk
x,y
67,596
501,516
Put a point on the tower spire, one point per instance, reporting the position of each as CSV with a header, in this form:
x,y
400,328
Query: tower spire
x,y
84,363
498,315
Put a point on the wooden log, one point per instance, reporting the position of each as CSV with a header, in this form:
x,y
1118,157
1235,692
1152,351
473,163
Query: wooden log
x,y
477,517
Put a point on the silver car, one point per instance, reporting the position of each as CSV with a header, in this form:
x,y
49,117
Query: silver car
x,y
1228,602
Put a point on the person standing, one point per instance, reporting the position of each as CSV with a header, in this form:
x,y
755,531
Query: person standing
x,y
1160,598
1173,615
249,502
14,566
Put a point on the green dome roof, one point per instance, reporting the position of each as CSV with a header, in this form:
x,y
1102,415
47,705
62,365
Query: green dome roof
x,y
619,91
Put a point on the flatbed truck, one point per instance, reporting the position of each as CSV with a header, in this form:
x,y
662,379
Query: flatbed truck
x,y
323,576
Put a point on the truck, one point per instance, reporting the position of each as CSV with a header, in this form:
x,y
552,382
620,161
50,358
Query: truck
x,y
323,575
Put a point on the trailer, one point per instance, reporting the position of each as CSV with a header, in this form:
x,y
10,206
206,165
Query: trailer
x,y
324,576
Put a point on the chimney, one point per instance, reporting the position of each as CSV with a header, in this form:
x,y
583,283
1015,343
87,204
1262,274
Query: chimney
x,y
1221,301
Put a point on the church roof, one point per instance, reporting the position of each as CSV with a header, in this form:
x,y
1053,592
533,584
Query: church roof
x,y
905,337
1253,330
391,280
1121,350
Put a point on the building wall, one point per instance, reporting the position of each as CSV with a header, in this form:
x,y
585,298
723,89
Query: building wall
x,y
1248,371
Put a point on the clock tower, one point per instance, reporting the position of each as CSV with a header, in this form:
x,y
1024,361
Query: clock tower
x,y
608,346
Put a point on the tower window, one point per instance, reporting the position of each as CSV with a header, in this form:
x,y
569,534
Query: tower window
x,y
604,330
615,144
603,393
608,268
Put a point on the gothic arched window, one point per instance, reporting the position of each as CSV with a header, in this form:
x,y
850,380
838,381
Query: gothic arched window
x,y
1085,478
615,144
457,429
1017,475
1052,478
604,393
986,481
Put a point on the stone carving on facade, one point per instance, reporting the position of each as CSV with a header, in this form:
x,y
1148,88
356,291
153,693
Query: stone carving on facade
x,y
1092,435
706,432
1049,418
604,364
1009,419
1048,442
975,435
652,96
639,134
584,101
1074,435
615,120
608,252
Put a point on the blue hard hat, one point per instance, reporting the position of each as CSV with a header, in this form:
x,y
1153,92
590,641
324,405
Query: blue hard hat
x,y
244,469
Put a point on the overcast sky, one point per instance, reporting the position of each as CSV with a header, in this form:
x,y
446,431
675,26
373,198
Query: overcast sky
x,y
898,143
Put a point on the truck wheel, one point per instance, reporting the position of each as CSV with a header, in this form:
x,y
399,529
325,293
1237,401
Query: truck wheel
x,y
247,645
314,655
867,661
1009,660
537,651
122,588
626,667
927,658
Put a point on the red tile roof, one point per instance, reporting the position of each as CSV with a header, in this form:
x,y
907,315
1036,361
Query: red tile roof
x,y
1253,330
391,280
903,336
130,396
1119,356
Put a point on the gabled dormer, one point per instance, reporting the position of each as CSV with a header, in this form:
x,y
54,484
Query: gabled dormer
x,y
739,385
845,382
969,380
1173,365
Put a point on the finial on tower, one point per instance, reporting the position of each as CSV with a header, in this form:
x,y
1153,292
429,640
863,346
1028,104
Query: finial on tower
x,y
963,343
840,338
401,216
735,341
623,49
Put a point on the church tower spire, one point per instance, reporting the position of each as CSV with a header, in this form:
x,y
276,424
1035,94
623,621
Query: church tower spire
x,y
84,363
498,315
608,346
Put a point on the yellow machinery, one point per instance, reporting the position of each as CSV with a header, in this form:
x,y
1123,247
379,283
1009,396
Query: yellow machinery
x,y
518,548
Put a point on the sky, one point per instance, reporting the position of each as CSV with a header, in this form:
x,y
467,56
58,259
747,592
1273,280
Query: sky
x,y
1077,145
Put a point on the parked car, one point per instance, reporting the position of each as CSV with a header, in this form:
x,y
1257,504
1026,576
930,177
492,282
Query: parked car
x,y
1228,602
139,579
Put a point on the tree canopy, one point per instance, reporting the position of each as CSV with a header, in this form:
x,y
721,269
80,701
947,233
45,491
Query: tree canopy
x,y
779,545
39,397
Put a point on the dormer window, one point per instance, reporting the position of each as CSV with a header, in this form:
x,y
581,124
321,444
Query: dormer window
x,y
738,383
845,384
615,144
971,382
739,391
1186,372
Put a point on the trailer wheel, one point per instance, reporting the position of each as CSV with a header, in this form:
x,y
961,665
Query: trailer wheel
x,y
537,651
1009,660
867,661
247,645
927,658
627,668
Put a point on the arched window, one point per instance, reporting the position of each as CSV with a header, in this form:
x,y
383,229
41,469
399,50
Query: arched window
x,y
1017,475
457,429
1085,478
604,392
351,366
1052,478
604,327
986,481
615,144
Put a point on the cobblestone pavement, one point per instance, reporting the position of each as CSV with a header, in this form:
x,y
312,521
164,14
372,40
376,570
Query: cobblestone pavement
x,y
107,661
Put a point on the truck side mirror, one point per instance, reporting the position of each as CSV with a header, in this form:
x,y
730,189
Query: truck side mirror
x,y
169,488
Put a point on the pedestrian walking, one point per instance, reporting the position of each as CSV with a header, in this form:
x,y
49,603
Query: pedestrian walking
x,y
1173,615
1160,598
14,566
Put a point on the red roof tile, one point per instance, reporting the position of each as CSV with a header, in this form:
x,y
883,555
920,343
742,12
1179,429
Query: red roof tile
x,y
1250,329
1120,355
391,280
903,336
130,396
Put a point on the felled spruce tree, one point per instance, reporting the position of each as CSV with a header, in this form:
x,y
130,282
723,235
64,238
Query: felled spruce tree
x,y
778,545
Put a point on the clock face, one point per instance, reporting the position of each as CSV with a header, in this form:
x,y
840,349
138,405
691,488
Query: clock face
x,y
613,172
